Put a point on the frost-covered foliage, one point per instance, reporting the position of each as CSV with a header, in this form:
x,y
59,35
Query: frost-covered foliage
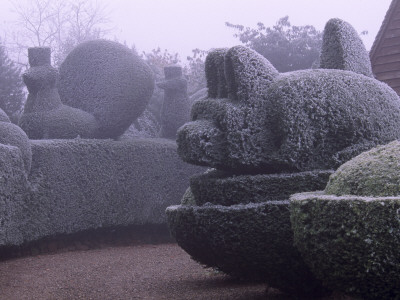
x,y
256,122
107,80
351,243
297,121
343,49
252,241
372,173
240,225
80,184
218,187
44,114
14,191
176,106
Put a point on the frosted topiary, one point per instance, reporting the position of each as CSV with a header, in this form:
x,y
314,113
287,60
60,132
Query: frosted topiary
x,y
176,106
240,225
44,114
349,234
109,81
372,173
256,120
343,49
267,134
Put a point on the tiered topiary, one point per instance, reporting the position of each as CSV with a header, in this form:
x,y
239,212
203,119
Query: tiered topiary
x,y
270,135
176,106
45,117
349,234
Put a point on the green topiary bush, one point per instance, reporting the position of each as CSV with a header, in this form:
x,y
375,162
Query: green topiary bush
x,y
349,234
350,242
372,173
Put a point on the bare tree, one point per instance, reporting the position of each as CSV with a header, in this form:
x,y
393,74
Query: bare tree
x,y
59,24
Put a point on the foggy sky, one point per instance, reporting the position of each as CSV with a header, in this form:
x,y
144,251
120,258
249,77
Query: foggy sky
x,y
182,25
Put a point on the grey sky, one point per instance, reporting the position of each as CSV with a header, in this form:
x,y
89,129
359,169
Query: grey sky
x,y
182,25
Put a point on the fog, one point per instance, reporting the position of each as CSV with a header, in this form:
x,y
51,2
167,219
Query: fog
x,y
182,25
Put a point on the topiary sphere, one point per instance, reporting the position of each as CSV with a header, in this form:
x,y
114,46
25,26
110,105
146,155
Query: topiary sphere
x,y
108,80
372,173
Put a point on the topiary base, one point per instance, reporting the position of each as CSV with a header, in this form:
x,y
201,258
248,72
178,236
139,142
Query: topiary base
x,y
252,241
351,243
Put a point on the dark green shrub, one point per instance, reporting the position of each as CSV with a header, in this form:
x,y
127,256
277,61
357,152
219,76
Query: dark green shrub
x,y
351,243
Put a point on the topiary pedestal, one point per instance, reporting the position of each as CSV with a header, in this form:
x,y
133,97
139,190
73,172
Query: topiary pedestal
x,y
349,240
253,239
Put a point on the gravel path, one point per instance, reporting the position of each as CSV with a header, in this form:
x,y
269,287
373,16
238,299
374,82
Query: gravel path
x,y
161,271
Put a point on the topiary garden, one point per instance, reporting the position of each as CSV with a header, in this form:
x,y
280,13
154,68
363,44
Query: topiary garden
x,y
263,135
268,135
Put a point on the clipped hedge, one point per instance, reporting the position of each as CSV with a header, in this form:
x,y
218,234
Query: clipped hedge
x,y
252,241
218,187
351,243
77,185
14,194
107,80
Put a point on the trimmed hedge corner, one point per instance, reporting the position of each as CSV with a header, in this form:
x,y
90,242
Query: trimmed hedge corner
x,y
351,243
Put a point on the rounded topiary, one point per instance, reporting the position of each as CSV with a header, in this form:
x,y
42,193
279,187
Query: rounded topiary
x,y
108,80
349,234
372,173
13,135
